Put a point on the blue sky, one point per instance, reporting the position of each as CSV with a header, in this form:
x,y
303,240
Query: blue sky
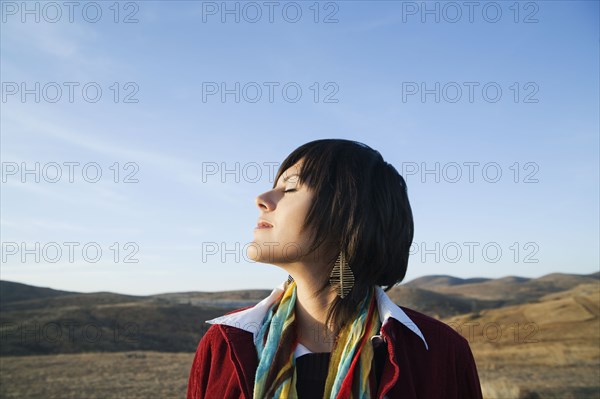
x,y
147,111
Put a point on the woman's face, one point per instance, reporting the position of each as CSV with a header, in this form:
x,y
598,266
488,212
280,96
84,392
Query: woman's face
x,y
285,208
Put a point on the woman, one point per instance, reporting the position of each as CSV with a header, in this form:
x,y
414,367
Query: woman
x,y
338,220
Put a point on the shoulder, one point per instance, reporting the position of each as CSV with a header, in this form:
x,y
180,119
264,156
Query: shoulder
x,y
448,359
215,362
445,345
219,334
211,340
436,332
215,329
220,340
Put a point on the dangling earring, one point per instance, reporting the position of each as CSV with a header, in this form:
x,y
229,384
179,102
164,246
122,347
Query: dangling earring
x,y
290,279
341,277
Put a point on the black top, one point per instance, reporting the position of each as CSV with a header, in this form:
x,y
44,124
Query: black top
x,y
311,374
312,368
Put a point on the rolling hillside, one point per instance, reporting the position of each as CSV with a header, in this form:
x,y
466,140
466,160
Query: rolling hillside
x,y
545,349
511,289
12,292
37,320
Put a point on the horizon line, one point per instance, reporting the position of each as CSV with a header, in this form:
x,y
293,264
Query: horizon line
x,y
597,272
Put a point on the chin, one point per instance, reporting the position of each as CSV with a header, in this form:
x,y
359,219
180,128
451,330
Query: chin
x,y
256,253
253,252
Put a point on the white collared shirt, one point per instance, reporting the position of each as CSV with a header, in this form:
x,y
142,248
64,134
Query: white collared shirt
x,y
251,319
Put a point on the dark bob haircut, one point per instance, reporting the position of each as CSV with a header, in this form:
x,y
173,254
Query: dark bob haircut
x,y
361,207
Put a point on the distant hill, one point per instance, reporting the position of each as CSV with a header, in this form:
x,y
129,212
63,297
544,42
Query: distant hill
x,y
437,304
442,280
40,320
510,289
224,299
111,328
11,292
36,320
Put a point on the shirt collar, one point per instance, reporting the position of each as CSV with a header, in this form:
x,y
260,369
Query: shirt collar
x,y
251,319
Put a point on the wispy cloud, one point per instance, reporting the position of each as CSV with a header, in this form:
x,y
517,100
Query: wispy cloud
x,y
70,48
185,172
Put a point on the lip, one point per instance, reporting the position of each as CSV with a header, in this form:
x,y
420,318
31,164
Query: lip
x,y
263,224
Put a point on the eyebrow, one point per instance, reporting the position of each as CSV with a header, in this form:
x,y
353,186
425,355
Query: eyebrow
x,y
287,178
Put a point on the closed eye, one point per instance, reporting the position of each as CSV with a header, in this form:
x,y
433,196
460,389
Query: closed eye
x,y
290,190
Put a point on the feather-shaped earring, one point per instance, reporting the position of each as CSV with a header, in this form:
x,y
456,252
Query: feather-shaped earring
x,y
341,277
290,279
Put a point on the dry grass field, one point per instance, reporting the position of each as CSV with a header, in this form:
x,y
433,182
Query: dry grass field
x,y
96,375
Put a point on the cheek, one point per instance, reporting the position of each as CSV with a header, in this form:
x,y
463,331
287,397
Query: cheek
x,y
295,213
291,231
293,217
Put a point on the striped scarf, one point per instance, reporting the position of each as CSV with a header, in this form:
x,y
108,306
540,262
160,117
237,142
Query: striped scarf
x,y
350,360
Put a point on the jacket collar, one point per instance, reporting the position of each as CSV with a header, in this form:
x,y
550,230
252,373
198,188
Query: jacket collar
x,y
251,319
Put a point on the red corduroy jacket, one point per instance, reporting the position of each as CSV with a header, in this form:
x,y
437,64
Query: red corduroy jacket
x,y
426,359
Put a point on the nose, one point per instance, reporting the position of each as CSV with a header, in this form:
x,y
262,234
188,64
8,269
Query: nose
x,y
264,202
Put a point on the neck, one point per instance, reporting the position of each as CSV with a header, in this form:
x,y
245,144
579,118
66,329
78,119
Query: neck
x,y
311,313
